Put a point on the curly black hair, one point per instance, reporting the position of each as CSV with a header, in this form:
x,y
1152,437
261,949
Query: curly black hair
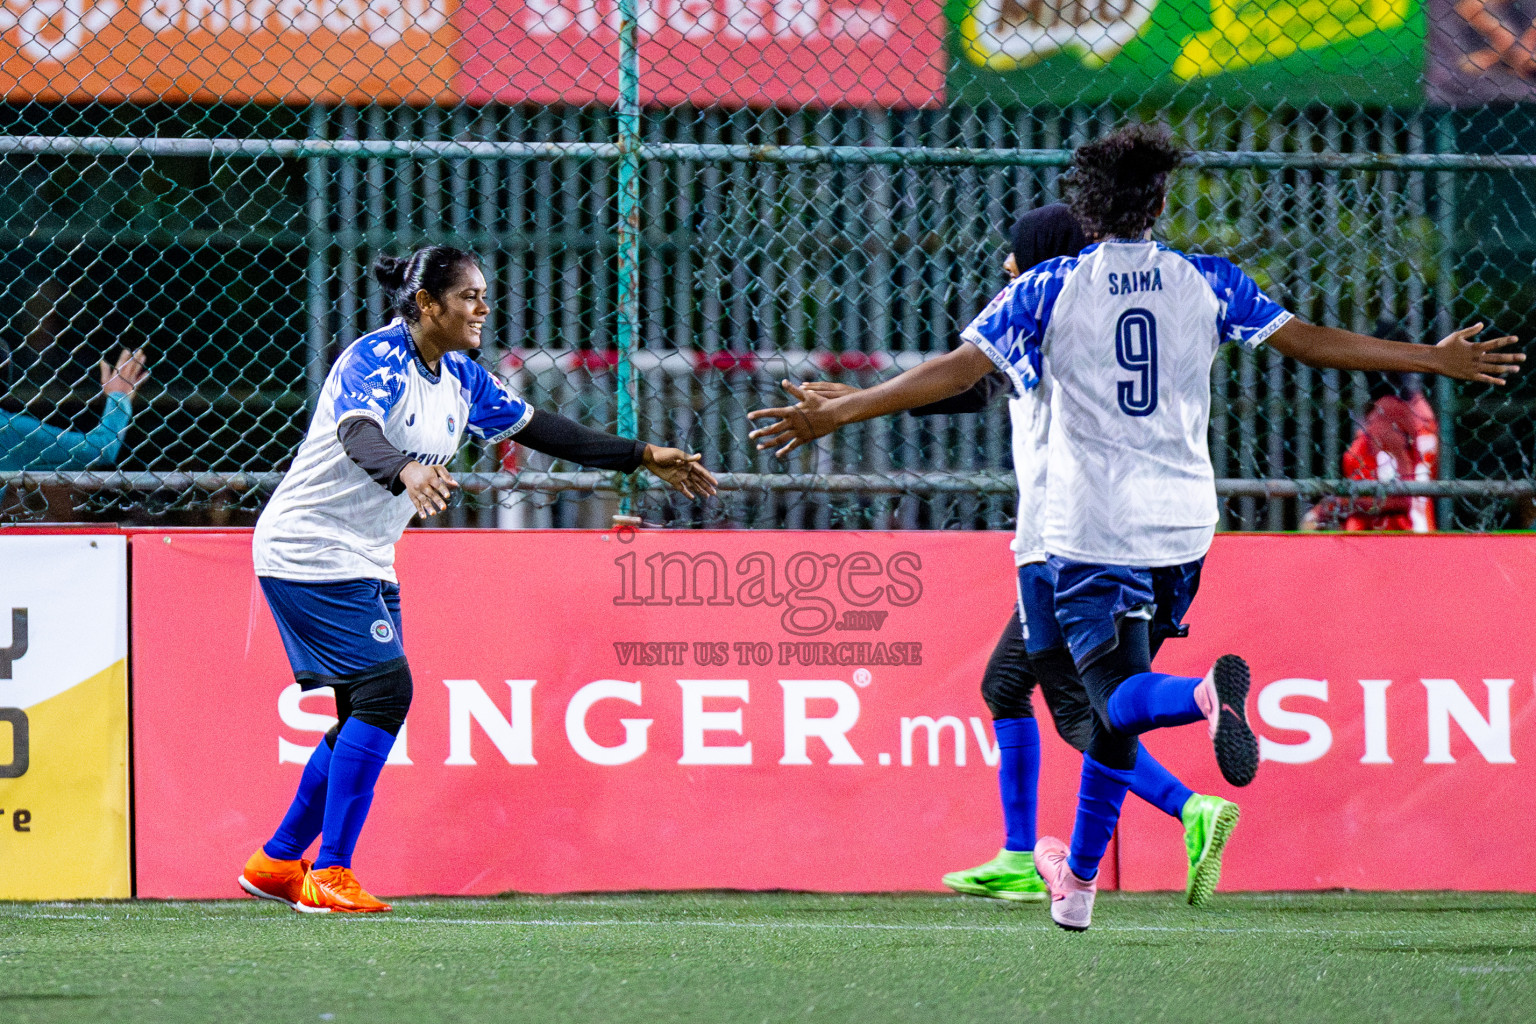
x,y
1116,184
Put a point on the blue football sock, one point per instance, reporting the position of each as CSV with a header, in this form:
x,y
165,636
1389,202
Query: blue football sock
x,y
1099,797
361,750
307,812
1018,778
1158,786
1152,700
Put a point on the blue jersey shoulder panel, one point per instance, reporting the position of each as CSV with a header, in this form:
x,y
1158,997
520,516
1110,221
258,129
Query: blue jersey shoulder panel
x,y
1246,316
1012,327
494,412
371,373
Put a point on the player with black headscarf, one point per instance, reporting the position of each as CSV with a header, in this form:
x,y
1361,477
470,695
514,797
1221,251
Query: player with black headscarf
x,y
1031,649
1124,334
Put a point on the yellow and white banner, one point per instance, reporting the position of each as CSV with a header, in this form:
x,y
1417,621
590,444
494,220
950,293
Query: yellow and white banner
x,y
63,717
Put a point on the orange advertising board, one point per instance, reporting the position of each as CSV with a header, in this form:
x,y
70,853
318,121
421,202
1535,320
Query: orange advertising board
x,y
271,51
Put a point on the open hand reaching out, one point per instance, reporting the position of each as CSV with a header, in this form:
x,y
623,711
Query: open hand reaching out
x,y
430,487
680,470
127,375
1464,359
792,426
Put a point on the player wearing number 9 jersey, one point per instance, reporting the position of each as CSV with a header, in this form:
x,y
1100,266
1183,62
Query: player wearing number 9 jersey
x,y
1032,650
1124,334
1130,474
1032,647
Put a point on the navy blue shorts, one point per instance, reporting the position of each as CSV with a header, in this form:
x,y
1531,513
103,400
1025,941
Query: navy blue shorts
x,y
1092,599
342,631
1037,609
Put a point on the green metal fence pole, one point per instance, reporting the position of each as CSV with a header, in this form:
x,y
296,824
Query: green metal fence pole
x,y
1445,321
629,222
318,339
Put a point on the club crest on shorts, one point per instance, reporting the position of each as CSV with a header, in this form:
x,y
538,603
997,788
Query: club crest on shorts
x,y
450,424
382,630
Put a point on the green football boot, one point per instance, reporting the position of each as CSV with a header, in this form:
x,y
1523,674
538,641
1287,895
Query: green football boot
x,y
1208,824
1011,875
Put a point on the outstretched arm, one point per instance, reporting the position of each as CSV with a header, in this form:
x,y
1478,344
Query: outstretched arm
x,y
1455,356
431,487
33,445
973,399
814,416
497,414
564,438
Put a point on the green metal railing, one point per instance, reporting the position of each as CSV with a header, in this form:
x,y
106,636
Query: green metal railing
x,y
650,271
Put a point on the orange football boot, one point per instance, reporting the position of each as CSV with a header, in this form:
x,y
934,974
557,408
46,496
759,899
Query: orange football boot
x,y
336,888
269,879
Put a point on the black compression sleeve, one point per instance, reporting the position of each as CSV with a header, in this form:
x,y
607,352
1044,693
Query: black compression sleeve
x,y
977,398
365,444
553,434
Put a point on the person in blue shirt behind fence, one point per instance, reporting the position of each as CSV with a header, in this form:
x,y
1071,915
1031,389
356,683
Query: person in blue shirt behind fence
x,y
27,443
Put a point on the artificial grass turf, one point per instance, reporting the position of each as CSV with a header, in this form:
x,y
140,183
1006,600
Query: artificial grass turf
x,y
726,957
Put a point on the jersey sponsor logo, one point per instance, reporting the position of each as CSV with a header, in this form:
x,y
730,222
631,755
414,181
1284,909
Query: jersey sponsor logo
x,y
382,630
430,459
1138,281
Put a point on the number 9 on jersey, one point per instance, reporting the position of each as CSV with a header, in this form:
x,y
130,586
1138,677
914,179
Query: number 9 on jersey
x,y
1136,350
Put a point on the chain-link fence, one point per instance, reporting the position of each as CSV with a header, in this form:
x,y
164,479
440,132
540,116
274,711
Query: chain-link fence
x,y
679,203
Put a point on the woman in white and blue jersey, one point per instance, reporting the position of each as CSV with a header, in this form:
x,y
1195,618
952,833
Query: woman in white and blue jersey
x,y
1124,335
1033,650
394,409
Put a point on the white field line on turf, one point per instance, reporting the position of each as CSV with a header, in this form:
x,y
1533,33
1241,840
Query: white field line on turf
x,y
1033,926
746,925
762,925
554,923
749,925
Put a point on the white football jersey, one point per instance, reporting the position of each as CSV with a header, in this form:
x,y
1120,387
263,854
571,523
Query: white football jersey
x,y
329,520
1126,332
1030,415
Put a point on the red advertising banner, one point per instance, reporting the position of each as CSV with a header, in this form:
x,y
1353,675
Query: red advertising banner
x,y
652,710
1393,693
676,709
708,52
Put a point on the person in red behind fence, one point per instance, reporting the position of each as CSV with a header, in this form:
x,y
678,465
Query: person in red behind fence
x,y
393,412
1399,439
